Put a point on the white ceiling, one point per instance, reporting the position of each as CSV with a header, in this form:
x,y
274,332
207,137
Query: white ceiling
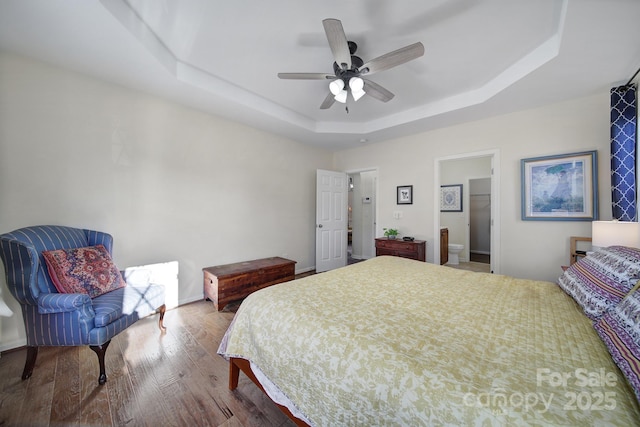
x,y
482,57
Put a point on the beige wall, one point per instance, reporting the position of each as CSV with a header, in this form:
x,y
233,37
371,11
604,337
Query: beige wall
x,y
529,249
169,183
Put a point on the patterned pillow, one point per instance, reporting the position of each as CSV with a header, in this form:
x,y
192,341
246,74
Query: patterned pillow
x,y
87,270
601,280
620,331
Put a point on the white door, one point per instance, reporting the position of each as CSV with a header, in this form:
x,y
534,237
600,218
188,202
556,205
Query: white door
x,y
331,220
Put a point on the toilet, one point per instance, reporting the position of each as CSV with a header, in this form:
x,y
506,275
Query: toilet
x,y
454,252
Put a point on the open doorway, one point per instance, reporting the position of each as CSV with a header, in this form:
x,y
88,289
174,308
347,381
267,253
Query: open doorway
x,y
480,220
362,215
478,176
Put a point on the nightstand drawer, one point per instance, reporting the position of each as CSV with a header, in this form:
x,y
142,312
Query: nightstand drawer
x,y
398,245
414,250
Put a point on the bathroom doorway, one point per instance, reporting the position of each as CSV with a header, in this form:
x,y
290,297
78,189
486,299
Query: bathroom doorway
x,y
477,174
362,215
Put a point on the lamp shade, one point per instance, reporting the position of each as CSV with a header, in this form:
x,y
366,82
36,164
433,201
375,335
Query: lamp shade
x,y
341,96
336,86
357,87
620,233
357,94
356,83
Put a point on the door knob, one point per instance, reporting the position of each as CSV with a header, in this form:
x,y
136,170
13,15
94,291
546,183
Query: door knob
x,y
319,225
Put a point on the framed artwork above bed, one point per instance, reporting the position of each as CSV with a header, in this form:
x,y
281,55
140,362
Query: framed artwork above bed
x,y
560,188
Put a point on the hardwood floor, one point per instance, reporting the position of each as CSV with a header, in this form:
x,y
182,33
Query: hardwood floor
x,y
175,379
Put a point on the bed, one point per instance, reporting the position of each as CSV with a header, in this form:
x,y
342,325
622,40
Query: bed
x,y
392,341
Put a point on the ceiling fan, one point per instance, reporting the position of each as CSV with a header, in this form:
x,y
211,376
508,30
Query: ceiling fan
x,y
349,69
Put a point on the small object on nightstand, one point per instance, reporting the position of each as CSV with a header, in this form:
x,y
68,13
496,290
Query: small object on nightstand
x,y
408,239
576,253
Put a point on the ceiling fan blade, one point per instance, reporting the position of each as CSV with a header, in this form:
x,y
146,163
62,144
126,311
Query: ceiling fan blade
x,y
392,59
306,76
328,101
377,91
337,42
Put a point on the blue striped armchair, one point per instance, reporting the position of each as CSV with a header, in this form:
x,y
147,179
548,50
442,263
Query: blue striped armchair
x,y
69,319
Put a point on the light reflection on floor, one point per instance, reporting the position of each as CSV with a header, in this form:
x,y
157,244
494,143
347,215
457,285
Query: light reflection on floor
x,y
478,267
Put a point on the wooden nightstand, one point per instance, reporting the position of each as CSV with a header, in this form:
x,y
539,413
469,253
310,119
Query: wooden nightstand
x,y
578,250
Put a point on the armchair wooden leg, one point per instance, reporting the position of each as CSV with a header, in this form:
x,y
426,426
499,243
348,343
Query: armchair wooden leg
x,y
162,309
100,350
32,354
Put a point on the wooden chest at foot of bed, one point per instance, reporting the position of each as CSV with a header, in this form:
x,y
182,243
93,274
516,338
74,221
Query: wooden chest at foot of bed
x,y
231,282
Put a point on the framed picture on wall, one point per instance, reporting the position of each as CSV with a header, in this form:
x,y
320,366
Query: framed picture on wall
x,y
405,195
560,188
451,198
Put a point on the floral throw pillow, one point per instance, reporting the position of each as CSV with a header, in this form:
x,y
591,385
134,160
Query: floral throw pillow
x,y
89,270
620,331
601,280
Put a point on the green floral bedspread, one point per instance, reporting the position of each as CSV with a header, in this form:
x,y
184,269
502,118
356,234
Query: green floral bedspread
x,y
391,341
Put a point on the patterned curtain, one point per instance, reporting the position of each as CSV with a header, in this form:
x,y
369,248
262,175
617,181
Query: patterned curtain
x,y
624,126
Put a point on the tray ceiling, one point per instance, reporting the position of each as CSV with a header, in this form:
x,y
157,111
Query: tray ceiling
x,y
482,58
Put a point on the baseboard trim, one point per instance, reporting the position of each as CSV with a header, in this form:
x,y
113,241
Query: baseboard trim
x,y
13,345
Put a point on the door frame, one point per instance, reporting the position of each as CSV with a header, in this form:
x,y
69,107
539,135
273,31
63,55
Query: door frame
x,y
495,203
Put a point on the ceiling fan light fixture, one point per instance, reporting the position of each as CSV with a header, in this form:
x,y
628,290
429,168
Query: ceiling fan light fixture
x,y
341,96
336,86
356,84
357,95
347,67
357,87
